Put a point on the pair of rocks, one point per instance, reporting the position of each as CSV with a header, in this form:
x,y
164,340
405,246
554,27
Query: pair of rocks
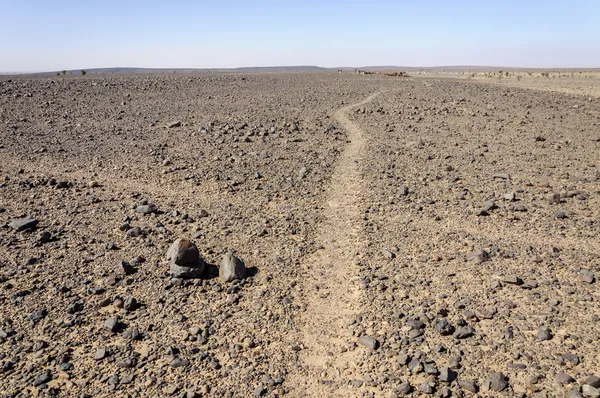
x,y
185,262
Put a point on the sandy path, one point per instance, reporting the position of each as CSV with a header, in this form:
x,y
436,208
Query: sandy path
x,y
330,289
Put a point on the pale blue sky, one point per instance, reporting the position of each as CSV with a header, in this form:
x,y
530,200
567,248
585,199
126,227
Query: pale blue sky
x,y
43,35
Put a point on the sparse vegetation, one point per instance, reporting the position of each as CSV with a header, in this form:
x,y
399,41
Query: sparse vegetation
x,y
83,72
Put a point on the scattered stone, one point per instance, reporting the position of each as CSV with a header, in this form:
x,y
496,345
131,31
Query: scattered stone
x,y
572,359
529,284
100,354
174,124
37,316
426,388
589,391
502,176
404,388
544,333
564,378
124,268
44,237
179,363
495,381
443,327
463,332
593,381
22,224
147,209
415,366
478,256
130,304
447,375
554,198
587,276
468,385
42,378
231,268
402,359
512,280
574,393
369,342
388,255
489,205
111,324
260,391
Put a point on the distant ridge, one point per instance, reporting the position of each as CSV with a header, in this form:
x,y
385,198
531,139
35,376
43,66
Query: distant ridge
x,y
304,68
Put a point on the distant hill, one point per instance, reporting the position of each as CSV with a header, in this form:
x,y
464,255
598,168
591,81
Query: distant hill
x,y
299,68
308,68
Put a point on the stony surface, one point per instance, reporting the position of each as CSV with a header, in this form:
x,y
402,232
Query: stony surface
x,y
463,246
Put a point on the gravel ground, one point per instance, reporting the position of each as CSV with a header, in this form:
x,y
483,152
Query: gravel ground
x,y
399,237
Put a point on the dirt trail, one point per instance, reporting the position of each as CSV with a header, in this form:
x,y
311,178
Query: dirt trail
x,y
331,293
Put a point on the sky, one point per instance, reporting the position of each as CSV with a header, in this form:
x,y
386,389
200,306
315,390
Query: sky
x,y
50,35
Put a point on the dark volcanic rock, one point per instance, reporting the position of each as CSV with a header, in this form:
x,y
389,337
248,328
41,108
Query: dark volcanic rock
x,y
185,260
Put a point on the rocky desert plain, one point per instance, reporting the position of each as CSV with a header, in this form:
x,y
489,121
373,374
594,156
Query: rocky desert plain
x,y
309,234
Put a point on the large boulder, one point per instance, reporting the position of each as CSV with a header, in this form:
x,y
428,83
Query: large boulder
x,y
231,268
185,260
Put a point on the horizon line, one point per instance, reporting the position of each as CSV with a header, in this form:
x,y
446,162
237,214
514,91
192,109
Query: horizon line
x,y
234,68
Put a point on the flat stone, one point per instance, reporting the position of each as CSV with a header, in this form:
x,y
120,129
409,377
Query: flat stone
x,y
463,332
512,280
564,378
369,342
22,224
478,256
468,385
179,363
183,272
147,209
